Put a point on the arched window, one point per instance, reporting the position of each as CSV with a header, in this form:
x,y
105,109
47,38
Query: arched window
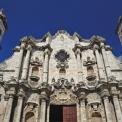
x,y
30,117
35,71
62,72
90,70
96,117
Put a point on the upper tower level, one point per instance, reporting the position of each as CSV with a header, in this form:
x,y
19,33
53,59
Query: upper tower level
x,y
119,29
3,23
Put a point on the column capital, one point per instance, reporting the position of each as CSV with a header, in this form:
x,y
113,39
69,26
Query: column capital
x,y
96,47
114,91
81,96
7,96
21,93
44,96
105,93
102,45
29,47
47,51
77,51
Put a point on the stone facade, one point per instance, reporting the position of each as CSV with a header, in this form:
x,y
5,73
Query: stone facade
x,y
61,70
3,23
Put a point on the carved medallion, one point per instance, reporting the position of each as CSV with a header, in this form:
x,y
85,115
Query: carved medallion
x,y
63,97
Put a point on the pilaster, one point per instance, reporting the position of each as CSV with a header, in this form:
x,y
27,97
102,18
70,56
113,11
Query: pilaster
x,y
46,64
19,65
105,96
79,64
10,93
117,106
105,59
83,110
18,111
26,63
99,63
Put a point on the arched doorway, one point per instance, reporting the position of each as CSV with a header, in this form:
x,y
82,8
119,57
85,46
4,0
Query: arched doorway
x,y
63,113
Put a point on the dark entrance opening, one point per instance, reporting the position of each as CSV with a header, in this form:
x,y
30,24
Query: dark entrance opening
x,y
63,113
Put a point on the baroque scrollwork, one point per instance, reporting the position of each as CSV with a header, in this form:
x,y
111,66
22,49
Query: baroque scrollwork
x,y
63,94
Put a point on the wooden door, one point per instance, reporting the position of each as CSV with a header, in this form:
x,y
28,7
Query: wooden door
x,y
69,113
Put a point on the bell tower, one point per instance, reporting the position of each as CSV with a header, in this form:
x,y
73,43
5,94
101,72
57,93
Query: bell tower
x,y
3,24
119,29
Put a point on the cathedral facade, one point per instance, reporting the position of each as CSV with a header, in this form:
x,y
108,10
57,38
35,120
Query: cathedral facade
x,y
61,78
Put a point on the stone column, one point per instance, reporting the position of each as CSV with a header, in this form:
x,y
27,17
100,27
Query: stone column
x,y
83,111
78,55
107,109
48,112
19,65
46,66
8,110
120,100
26,63
117,108
105,59
41,68
18,112
116,103
105,96
99,63
78,112
43,111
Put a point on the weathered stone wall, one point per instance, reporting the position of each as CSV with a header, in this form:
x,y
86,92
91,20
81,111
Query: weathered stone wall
x,y
61,70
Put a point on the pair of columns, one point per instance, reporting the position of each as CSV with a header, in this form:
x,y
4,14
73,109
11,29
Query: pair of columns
x,y
116,105
114,96
99,63
24,76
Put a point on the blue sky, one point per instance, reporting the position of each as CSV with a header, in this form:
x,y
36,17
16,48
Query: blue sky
x,y
37,17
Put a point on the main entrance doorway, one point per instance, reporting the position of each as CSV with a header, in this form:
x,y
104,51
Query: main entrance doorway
x,y
63,113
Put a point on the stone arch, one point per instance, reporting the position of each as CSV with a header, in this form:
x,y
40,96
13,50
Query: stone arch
x,y
30,117
96,117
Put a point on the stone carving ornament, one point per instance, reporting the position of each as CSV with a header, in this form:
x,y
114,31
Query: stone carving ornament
x,y
63,97
62,56
62,93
